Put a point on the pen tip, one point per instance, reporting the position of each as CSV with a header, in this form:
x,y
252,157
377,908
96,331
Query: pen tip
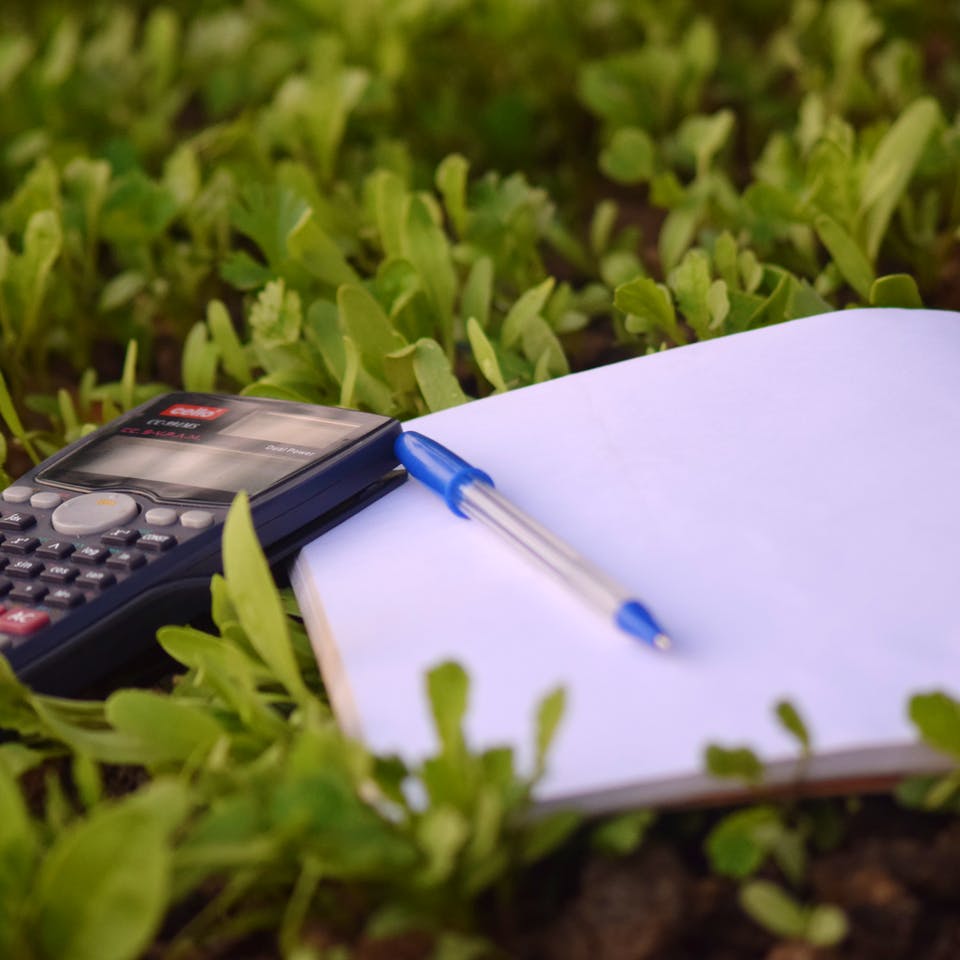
x,y
662,642
635,619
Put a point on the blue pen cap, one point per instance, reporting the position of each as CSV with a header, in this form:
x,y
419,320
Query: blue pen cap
x,y
436,466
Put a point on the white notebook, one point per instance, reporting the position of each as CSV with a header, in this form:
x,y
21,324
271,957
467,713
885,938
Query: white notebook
x,y
787,503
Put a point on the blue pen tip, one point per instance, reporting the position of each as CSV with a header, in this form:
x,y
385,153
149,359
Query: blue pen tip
x,y
635,619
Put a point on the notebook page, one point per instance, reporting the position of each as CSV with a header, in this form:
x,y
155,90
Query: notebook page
x,y
785,502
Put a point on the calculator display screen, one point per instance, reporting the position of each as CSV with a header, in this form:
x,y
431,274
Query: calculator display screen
x,y
206,453
160,461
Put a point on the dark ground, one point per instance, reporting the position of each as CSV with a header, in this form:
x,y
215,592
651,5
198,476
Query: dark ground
x,y
895,873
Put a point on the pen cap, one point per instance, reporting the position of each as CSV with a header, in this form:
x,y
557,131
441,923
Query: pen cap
x,y
436,466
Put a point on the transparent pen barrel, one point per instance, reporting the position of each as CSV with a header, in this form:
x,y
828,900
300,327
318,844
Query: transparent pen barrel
x,y
481,502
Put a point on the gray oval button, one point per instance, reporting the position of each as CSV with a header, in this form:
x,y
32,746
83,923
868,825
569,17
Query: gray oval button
x,y
45,500
93,512
160,516
196,519
17,494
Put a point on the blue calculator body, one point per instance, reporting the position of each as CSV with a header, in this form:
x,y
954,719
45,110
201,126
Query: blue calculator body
x,y
119,533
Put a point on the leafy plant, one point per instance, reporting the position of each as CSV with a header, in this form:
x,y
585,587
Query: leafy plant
x,y
254,794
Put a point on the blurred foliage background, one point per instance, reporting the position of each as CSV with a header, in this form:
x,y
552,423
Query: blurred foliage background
x,y
396,205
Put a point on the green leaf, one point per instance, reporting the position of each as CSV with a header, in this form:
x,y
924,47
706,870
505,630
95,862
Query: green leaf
x,y
528,306
18,857
740,843
198,364
122,289
42,243
309,245
16,51
104,885
792,722
629,157
704,136
677,233
541,345
276,317
895,290
182,177
484,354
549,714
601,226
690,282
441,833
739,763
170,730
425,245
128,377
451,181
848,257
826,926
937,718
137,210
363,320
255,596
268,215
232,354
447,691
891,167
478,292
773,908
651,304
622,835
18,839
390,205
439,386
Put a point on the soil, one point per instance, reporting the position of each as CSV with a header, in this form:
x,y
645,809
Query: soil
x,y
895,873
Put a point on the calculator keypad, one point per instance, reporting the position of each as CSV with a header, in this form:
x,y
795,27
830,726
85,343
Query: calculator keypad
x,y
17,521
28,592
22,623
19,545
48,569
90,556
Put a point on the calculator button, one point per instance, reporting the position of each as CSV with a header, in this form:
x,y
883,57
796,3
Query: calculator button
x,y
96,578
19,545
23,569
22,623
55,550
17,494
3,562
5,586
93,513
45,500
91,555
64,597
196,519
126,560
121,537
160,517
157,542
17,521
58,573
28,592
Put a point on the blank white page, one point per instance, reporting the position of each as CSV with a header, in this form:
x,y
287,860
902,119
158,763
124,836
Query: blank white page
x,y
785,501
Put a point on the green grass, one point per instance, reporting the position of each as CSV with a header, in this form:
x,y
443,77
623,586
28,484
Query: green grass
x,y
400,205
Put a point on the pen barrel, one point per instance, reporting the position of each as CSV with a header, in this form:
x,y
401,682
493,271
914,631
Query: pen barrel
x,y
483,503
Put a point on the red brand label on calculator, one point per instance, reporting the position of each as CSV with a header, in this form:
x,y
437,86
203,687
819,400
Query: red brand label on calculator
x,y
191,412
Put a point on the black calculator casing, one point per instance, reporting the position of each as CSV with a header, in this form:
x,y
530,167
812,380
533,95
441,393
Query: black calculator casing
x,y
111,625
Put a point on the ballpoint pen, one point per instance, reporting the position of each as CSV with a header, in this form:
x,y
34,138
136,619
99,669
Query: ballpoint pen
x,y
469,492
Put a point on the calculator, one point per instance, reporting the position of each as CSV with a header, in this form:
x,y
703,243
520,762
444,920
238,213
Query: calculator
x,y
119,533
